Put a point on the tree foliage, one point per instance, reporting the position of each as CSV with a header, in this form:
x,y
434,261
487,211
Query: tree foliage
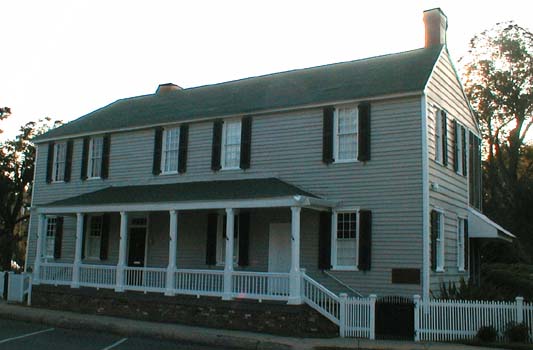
x,y
498,75
17,157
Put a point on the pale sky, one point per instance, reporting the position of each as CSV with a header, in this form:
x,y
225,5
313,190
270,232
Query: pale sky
x,y
64,59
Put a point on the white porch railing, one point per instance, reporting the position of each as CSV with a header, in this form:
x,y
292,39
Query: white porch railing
x,y
321,299
260,285
145,279
199,282
99,276
56,273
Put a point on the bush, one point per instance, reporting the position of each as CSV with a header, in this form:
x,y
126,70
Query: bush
x,y
517,332
487,334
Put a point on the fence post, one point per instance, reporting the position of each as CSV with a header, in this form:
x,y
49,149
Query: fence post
x,y
373,298
2,280
519,309
30,281
416,300
342,314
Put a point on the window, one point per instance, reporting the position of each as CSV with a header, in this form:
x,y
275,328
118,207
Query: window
x,y
60,153
346,239
221,240
439,240
51,228
438,137
95,157
461,223
171,143
474,170
345,145
231,144
94,237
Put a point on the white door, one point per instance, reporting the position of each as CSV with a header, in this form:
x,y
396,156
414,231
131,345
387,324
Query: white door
x,y
279,248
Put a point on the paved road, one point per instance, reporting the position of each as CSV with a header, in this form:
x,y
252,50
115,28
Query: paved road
x,y
17,335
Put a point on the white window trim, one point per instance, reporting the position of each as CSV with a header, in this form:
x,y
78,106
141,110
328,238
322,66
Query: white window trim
x,y
334,265
163,151
86,235
221,243
54,163
461,243
45,255
223,144
90,158
438,137
336,134
441,256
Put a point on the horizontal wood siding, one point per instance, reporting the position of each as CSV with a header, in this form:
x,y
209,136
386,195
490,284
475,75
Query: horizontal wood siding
x,y
287,146
444,92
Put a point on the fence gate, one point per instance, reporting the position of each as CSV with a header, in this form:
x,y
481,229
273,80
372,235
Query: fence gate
x,y
395,318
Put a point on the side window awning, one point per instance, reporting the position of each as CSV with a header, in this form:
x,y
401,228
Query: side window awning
x,y
480,226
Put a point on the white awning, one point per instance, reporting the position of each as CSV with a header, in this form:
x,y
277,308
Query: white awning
x,y
480,226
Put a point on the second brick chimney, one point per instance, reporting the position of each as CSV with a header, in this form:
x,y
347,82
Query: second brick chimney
x,y
436,24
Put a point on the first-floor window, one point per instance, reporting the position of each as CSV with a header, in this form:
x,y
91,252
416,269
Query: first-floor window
x,y
51,228
94,236
461,223
437,227
346,239
221,240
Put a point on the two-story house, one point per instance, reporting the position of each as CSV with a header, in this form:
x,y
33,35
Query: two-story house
x,y
367,174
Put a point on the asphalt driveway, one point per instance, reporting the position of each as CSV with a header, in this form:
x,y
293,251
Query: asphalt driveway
x,y
18,335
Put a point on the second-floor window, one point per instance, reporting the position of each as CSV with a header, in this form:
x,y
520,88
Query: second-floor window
x,y
95,157
170,154
231,144
345,144
60,156
441,137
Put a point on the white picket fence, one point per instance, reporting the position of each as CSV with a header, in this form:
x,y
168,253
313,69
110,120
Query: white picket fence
x,y
448,320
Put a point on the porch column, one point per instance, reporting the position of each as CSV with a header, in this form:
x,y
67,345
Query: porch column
x,y
39,249
77,253
122,251
228,265
295,296
172,249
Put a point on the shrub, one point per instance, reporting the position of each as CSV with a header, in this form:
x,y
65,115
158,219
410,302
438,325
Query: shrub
x,y
487,334
517,332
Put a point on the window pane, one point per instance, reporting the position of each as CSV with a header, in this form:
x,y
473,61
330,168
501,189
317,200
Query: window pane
x,y
347,133
96,156
59,161
232,144
170,151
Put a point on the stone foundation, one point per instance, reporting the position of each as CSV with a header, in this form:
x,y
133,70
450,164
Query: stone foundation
x,y
249,315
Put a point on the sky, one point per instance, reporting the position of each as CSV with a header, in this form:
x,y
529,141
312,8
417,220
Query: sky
x,y
64,59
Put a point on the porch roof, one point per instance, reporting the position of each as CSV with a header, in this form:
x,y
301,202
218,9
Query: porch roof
x,y
266,192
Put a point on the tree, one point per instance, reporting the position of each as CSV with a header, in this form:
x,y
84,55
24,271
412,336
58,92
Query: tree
x,y
4,113
498,74
17,158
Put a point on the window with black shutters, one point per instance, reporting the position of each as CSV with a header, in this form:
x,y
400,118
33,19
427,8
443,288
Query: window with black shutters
x,y
346,239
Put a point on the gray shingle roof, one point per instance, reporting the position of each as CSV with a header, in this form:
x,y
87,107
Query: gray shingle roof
x,y
188,191
383,75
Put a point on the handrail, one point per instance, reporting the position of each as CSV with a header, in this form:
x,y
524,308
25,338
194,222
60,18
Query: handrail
x,y
343,284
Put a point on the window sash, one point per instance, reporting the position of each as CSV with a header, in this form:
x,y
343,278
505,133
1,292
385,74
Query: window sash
x,y
231,144
51,228
440,242
95,157
171,143
346,134
94,237
438,137
60,155
345,239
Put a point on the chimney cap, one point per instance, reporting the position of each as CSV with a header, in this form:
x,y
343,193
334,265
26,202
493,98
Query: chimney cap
x,y
166,88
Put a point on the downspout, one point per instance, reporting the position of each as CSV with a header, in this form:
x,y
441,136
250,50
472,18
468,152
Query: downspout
x,y
425,201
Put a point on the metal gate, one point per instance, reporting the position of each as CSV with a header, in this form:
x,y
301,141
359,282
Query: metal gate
x,y
395,318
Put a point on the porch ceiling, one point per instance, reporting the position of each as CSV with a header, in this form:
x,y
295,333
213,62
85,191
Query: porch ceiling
x,y
266,192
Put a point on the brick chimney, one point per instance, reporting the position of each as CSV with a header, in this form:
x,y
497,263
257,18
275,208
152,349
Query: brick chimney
x,y
164,89
436,24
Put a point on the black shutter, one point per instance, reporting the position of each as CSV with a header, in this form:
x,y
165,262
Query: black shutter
x,y
364,132
68,161
50,162
244,239
465,150
106,149
158,144
444,138
184,144
327,135
365,239
246,142
456,140
85,220
58,239
104,239
211,244
217,145
85,158
434,233
466,245
324,241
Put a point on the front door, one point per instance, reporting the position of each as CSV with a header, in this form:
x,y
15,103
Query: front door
x,y
279,248
137,246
